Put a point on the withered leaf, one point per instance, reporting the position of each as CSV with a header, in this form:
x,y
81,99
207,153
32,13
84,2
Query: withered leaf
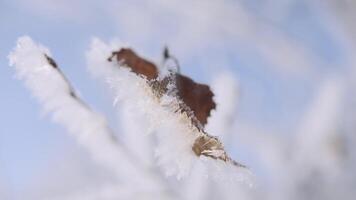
x,y
198,97
137,64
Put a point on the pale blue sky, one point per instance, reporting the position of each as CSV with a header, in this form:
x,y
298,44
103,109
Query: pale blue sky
x,y
271,97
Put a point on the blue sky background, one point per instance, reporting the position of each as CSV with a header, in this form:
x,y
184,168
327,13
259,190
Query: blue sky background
x,y
274,94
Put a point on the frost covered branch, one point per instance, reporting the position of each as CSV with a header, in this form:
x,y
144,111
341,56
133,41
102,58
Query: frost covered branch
x,y
48,84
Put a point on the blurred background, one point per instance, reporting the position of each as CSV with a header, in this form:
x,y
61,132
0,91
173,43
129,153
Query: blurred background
x,y
293,60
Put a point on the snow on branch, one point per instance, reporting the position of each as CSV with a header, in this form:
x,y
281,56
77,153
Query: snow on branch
x,y
42,76
171,106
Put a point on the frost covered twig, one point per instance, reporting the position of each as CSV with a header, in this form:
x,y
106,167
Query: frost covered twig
x,y
152,98
71,91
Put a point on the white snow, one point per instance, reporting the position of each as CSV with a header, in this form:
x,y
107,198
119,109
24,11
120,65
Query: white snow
x,y
89,128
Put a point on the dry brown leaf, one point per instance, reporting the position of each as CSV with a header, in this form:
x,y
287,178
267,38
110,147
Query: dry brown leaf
x,y
198,97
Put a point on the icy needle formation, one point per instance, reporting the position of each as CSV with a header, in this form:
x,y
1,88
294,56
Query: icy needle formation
x,y
194,100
